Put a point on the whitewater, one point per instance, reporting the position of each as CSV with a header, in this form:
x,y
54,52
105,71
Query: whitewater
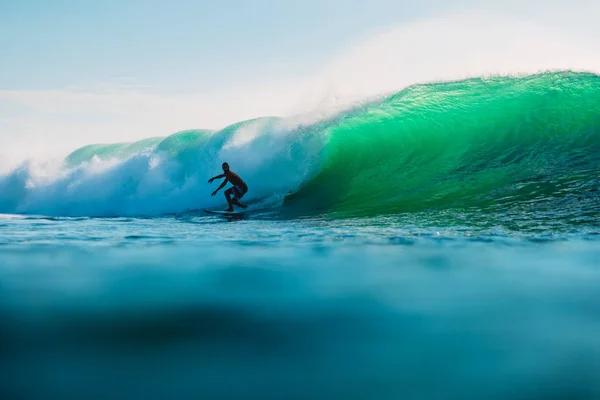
x,y
437,242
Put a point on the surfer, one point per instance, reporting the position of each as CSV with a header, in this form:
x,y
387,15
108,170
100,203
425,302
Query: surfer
x,y
234,193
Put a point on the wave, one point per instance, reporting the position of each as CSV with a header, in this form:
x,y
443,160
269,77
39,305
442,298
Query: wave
x,y
488,142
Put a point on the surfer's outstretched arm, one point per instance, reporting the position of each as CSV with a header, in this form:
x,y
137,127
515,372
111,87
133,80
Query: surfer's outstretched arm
x,y
216,177
221,187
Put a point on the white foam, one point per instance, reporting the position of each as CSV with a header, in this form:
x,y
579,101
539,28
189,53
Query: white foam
x,y
272,159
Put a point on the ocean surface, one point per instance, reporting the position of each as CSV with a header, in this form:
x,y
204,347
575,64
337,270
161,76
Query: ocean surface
x,y
440,242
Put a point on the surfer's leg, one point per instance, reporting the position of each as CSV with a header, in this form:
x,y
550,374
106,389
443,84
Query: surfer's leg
x,y
237,195
238,203
228,194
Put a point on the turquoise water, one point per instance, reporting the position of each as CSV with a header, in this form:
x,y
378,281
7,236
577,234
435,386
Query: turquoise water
x,y
440,242
200,307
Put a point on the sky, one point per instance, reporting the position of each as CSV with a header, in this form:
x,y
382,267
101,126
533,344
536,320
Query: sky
x,y
75,72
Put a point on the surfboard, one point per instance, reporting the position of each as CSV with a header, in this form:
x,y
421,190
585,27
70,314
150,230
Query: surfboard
x,y
223,212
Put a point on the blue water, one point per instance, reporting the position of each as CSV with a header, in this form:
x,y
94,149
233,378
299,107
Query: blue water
x,y
196,306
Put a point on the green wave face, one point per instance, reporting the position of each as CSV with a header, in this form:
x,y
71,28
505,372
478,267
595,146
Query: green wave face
x,y
470,143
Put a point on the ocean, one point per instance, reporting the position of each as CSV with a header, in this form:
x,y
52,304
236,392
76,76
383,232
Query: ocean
x,y
439,242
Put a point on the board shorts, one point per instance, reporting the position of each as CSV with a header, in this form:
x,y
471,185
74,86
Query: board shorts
x,y
239,192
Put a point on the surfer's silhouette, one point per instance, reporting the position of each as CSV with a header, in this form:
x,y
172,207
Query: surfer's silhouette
x,y
234,193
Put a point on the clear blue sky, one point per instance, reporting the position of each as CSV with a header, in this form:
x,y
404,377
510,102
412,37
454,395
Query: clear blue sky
x,y
181,44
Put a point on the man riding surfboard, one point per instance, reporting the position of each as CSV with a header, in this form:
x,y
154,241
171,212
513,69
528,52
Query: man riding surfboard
x,y
234,193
